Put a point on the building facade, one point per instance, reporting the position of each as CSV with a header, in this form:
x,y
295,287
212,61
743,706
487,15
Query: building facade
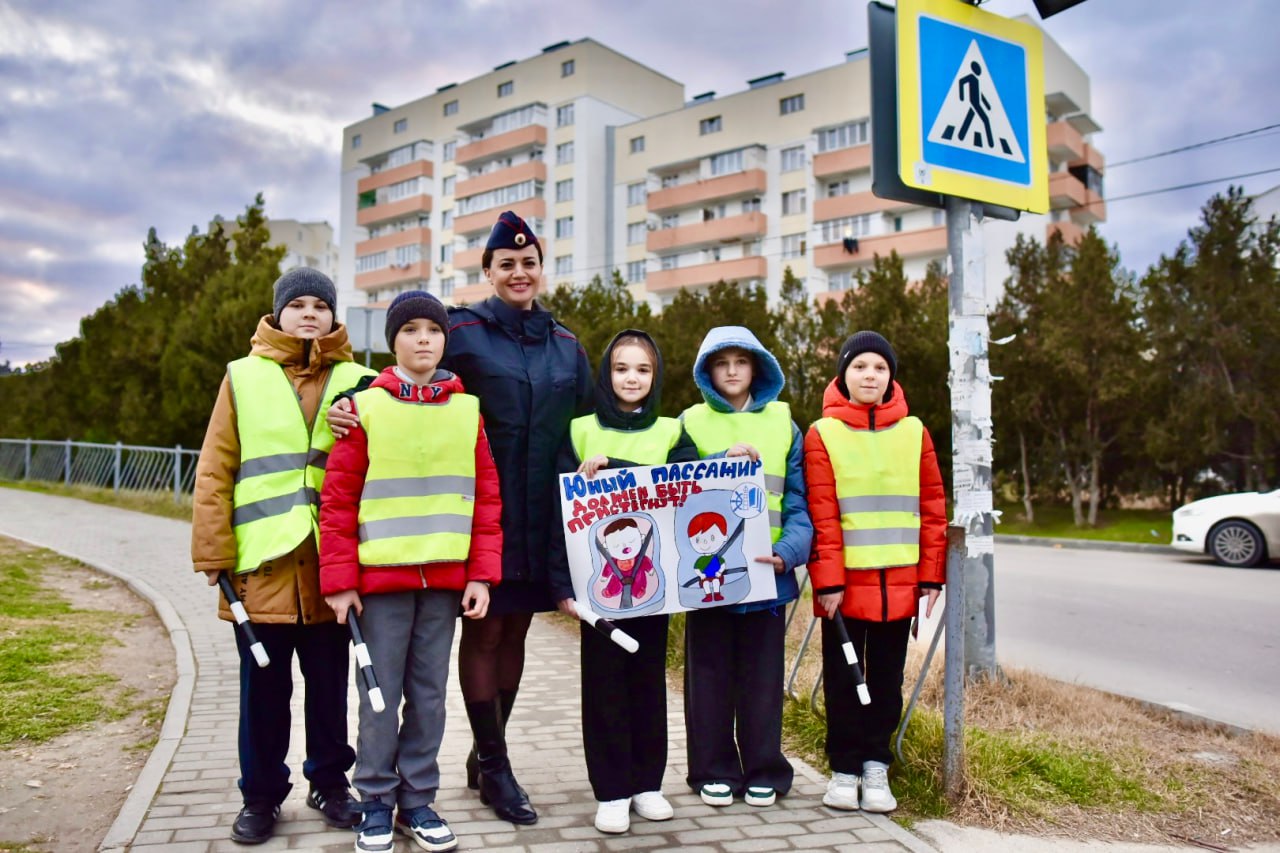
x,y
618,172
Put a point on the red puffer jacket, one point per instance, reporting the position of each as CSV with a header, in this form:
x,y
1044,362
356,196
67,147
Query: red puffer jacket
x,y
882,595
340,568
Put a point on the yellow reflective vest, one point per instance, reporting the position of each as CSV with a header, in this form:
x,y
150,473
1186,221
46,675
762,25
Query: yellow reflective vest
x,y
276,495
420,489
877,475
649,446
768,430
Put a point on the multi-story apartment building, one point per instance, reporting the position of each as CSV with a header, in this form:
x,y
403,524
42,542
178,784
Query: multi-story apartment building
x,y
423,183
617,171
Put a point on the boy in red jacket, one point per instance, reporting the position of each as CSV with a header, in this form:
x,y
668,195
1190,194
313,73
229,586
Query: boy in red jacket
x,y
410,518
880,541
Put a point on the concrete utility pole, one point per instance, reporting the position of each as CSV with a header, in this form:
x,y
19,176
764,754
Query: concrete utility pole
x,y
970,382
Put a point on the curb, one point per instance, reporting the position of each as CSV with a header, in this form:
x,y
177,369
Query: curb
x,y
1086,544
122,831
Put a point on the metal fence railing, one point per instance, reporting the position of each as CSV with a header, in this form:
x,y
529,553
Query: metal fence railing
x,y
119,467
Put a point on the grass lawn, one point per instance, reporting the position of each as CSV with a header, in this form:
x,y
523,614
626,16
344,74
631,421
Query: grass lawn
x,y
1152,526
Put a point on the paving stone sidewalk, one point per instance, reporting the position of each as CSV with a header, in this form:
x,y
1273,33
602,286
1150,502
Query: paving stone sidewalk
x,y
186,798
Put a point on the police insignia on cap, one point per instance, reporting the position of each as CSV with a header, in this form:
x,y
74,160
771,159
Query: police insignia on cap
x,y
520,239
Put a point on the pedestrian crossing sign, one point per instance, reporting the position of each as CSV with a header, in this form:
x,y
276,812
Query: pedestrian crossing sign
x,y
971,104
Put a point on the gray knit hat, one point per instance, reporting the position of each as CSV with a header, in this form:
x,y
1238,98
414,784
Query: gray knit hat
x,y
304,281
412,305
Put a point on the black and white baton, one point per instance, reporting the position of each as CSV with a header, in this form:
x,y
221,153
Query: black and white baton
x,y
604,626
242,619
864,695
366,663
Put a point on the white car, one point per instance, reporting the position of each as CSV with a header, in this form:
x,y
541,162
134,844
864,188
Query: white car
x,y
1236,530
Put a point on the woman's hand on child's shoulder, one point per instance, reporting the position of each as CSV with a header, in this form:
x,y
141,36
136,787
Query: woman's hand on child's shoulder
x,y
592,466
743,449
341,417
475,600
343,601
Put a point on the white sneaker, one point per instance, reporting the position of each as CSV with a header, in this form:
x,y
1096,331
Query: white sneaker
x,y
716,794
842,792
760,795
876,796
651,805
614,816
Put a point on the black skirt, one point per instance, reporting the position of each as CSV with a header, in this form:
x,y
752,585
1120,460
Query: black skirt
x,y
520,597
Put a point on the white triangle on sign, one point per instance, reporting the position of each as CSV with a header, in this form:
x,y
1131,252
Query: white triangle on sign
x,y
972,117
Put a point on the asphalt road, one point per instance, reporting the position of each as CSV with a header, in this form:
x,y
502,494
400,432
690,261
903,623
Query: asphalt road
x,y
1171,629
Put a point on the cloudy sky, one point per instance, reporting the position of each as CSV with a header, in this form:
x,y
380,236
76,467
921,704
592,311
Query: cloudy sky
x,y
119,116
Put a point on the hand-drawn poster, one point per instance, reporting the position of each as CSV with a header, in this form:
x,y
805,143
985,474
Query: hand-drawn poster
x,y
669,537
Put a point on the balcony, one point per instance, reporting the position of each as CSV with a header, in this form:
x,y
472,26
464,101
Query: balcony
x,y
1070,231
534,170
367,216
748,183
503,143
1064,141
1093,210
408,237
530,208
1065,190
851,204
469,294
754,267
908,244
387,177
842,160
1092,158
392,275
468,259
726,230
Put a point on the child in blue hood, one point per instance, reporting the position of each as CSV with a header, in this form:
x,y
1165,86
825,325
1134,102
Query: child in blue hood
x,y
734,656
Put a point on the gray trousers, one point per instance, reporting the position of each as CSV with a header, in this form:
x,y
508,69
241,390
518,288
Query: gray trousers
x,y
409,635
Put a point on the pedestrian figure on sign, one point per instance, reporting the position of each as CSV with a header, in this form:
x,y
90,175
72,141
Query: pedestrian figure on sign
x,y
971,93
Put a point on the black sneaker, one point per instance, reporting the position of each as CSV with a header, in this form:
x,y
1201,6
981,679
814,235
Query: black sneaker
x,y
255,824
335,806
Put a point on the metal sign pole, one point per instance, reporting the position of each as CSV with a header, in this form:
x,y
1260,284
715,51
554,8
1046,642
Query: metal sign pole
x,y
970,381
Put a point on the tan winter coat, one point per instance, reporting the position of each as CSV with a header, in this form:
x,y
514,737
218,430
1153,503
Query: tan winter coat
x,y
285,590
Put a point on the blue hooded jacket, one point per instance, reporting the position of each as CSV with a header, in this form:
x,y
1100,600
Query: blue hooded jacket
x,y
766,384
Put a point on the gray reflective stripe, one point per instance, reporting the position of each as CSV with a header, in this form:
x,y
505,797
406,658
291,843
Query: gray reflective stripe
x,y
774,483
415,487
775,518
274,464
281,505
318,458
414,525
880,503
883,536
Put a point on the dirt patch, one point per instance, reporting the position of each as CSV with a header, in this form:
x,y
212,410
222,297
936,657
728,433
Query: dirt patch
x,y
65,793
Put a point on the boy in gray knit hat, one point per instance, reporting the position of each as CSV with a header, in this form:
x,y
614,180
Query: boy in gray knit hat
x,y
304,281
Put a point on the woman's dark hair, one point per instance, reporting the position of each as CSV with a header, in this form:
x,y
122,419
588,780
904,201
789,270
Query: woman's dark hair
x,y
486,260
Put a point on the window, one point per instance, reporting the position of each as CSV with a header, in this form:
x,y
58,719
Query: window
x,y
793,245
715,211
793,104
446,286
564,265
636,194
446,219
501,196
404,189
709,125
635,233
853,133
451,108
406,255
897,223
564,227
727,163
793,158
564,115
367,263
401,125
505,89
635,271
446,253
793,202
670,262
670,181
837,188
750,247
447,184
450,148
671,220
850,226
751,205
356,140
840,280
566,68
513,120
637,144
940,218
564,190
473,277
564,153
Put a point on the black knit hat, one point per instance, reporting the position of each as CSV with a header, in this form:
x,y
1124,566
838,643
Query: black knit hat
x,y
414,305
303,281
865,341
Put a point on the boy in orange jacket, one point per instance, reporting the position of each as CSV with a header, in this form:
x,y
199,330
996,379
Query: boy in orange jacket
x,y
880,540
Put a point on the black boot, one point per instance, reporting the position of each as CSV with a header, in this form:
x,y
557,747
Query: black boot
x,y
507,701
498,786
